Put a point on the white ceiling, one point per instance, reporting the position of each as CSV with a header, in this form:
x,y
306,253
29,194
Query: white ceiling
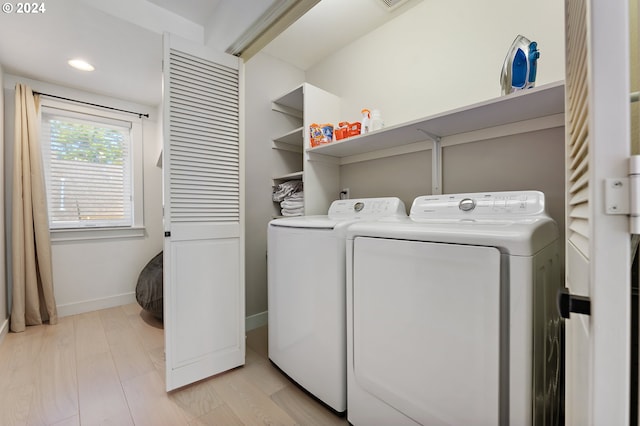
x,y
198,11
329,26
122,38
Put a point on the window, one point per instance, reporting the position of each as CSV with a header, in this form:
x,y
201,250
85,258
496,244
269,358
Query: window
x,y
90,171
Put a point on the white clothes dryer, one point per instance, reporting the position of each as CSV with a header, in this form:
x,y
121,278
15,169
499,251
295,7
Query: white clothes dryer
x,y
306,295
451,316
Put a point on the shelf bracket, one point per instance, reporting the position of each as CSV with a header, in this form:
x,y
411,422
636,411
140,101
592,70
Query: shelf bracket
x,y
436,162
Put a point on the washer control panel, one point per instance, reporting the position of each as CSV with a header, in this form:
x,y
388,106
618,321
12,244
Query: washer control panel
x,y
367,208
479,205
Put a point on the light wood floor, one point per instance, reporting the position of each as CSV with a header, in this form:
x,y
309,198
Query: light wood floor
x,y
107,368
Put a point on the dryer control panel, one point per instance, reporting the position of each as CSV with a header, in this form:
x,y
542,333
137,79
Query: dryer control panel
x,y
479,205
367,208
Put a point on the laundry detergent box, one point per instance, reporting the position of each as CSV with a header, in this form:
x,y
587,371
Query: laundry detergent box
x,y
346,130
320,134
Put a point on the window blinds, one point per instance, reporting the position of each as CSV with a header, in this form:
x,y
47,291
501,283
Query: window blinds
x,y
87,162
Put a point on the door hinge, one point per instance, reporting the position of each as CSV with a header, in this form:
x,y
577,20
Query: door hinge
x,y
622,195
167,233
617,195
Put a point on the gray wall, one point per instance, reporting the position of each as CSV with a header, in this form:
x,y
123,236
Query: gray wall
x,y
532,160
266,78
404,176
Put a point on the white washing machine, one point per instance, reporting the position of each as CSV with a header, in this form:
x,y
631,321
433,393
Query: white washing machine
x,y
451,316
306,295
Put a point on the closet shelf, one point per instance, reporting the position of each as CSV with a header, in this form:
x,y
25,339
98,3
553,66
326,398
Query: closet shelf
x,y
294,137
534,103
290,103
289,176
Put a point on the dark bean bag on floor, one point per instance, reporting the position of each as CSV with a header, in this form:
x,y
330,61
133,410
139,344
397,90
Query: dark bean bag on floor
x,y
149,287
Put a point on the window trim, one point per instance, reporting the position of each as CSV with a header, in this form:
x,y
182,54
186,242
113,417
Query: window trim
x,y
83,234
137,175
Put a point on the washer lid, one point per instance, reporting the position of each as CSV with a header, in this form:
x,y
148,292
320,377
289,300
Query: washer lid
x,y
315,222
344,211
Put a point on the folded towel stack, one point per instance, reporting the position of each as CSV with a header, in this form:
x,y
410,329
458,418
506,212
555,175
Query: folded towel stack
x,y
293,205
290,194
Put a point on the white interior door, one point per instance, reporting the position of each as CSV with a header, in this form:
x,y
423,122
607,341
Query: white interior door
x,y
597,247
203,246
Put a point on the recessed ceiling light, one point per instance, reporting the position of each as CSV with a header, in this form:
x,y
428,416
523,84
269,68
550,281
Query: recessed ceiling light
x,y
81,65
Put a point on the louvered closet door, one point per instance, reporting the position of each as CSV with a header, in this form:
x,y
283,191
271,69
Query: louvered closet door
x,y
203,250
597,247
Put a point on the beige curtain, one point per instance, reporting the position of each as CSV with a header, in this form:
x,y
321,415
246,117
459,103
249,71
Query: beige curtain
x,y
32,292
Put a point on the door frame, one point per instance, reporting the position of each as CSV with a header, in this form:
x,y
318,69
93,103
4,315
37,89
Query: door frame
x,y
608,262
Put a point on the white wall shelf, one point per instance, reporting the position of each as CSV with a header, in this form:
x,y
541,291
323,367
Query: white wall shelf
x,y
290,176
539,102
309,104
290,103
522,112
294,137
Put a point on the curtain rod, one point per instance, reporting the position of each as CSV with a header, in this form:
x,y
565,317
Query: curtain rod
x,y
139,114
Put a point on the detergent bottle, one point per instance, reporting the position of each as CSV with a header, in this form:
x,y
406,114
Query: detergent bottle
x,y
376,120
366,119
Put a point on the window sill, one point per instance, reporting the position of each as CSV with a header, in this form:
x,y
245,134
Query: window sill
x,y
61,235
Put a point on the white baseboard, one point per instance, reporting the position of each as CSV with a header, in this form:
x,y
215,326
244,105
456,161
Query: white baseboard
x,y
4,329
95,304
255,321
251,322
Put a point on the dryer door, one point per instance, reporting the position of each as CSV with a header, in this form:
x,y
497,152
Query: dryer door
x,y
426,328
